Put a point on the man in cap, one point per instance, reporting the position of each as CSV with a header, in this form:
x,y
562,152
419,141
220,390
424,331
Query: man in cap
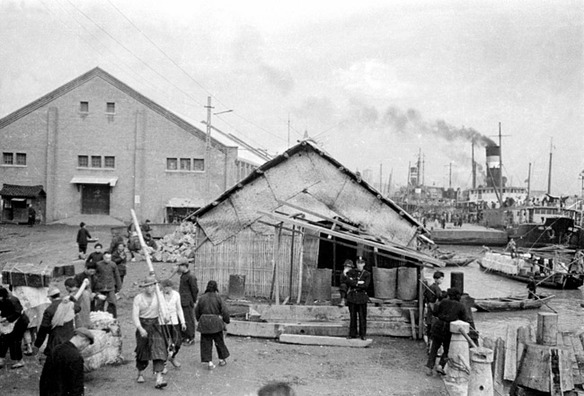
x,y
358,282
446,311
66,370
150,340
188,291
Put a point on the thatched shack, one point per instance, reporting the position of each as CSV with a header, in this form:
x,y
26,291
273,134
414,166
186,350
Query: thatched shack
x,y
299,213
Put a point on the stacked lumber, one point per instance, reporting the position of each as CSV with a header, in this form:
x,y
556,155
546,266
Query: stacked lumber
x,y
177,246
508,354
107,344
27,274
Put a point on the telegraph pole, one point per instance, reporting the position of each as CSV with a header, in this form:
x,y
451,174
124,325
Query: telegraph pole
x,y
208,151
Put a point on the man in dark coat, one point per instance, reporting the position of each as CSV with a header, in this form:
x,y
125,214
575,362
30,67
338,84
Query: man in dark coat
x,y
188,291
31,216
83,237
446,311
107,284
358,281
66,366
12,315
212,314
96,256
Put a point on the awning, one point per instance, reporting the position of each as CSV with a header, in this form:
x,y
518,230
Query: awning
x,y
94,180
184,203
15,190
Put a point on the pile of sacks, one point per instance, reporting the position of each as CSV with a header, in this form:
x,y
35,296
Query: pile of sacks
x,y
178,246
107,343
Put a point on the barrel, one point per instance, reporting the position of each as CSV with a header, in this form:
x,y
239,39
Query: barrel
x,y
407,283
321,286
236,286
385,282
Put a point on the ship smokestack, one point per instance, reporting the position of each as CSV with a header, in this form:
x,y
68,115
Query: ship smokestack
x,y
493,166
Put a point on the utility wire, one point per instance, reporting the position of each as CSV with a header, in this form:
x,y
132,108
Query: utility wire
x,y
187,74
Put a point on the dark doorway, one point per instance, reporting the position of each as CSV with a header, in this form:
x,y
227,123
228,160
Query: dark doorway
x,y
95,199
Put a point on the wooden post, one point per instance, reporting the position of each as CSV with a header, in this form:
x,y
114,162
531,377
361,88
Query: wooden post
x,y
300,266
547,328
421,313
291,262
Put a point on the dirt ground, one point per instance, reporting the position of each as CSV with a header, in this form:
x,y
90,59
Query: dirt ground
x,y
391,366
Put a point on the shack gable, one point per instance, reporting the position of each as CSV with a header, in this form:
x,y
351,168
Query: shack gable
x,y
307,179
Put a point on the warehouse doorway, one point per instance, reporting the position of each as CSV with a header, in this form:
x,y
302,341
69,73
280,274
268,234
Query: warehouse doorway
x,y
95,199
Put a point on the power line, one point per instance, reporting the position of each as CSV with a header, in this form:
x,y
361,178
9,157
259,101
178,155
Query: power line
x,y
186,73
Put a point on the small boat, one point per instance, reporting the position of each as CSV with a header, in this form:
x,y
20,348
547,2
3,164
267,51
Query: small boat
x,y
511,303
459,261
547,272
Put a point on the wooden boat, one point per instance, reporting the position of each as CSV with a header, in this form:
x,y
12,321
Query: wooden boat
x,y
510,303
522,267
459,261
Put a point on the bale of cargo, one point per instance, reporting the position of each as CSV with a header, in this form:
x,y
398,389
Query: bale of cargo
x,y
34,301
27,274
407,283
384,282
107,345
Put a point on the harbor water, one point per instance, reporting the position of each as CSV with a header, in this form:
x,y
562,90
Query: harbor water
x,y
480,284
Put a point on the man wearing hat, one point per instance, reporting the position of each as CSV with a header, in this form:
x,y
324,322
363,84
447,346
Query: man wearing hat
x,y
188,291
150,340
358,281
446,311
66,367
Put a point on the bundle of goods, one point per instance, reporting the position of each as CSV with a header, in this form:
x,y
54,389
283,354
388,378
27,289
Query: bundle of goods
x,y
107,345
34,301
27,274
177,246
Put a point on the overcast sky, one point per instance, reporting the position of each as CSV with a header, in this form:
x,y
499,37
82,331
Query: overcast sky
x,y
373,82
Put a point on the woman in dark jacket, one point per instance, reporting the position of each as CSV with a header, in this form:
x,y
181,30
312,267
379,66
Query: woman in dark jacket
x,y
212,314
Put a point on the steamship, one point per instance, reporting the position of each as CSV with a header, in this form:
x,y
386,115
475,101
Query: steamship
x,y
546,223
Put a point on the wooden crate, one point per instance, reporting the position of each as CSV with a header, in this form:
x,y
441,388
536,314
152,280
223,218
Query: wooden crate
x,y
27,274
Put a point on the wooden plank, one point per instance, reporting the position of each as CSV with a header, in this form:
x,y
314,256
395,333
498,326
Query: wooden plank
x,y
499,367
254,329
413,324
555,370
325,341
523,338
510,370
569,345
579,355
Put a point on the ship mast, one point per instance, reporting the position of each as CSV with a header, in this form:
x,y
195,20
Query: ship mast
x,y
501,169
474,168
549,189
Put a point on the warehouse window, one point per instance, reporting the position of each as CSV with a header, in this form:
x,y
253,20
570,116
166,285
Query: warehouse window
x,y
185,164
110,108
8,158
198,164
95,161
20,159
84,107
82,161
109,162
171,164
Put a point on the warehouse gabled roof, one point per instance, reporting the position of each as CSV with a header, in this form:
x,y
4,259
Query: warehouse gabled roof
x,y
100,73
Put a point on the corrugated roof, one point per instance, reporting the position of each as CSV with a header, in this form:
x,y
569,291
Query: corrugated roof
x,y
15,190
308,144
